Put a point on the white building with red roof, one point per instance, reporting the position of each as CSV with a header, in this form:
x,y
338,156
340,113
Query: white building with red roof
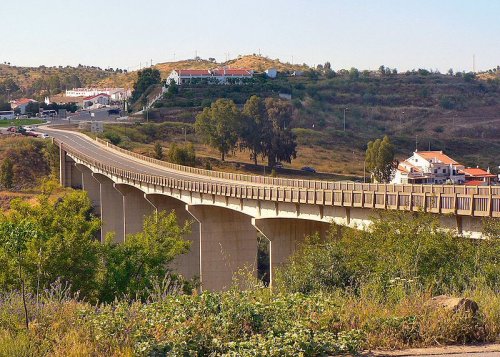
x,y
100,99
215,76
21,104
429,167
116,94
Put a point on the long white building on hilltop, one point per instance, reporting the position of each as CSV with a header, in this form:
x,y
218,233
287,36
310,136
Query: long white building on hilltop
x,y
216,76
115,94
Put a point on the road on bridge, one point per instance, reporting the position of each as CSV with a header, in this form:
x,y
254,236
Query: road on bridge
x,y
98,152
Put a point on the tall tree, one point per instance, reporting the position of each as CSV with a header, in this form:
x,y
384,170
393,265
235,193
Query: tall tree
x,y
380,160
158,151
254,126
279,140
218,126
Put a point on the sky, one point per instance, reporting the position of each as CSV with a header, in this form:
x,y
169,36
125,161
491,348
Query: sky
x,y
402,34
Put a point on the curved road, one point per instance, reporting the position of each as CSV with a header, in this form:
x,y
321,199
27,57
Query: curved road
x,y
91,148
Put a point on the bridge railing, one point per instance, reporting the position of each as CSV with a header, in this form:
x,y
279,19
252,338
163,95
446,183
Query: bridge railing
x,y
312,184
467,203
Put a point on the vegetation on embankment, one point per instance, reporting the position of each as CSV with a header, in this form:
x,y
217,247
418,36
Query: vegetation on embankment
x,y
26,162
353,291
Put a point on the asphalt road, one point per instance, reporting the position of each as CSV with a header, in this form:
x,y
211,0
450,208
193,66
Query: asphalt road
x,y
91,148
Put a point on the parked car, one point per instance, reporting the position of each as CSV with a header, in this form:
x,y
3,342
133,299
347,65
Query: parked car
x,y
308,169
44,136
278,165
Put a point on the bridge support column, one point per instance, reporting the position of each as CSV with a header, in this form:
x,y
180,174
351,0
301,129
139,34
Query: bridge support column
x,y
135,208
111,208
188,265
91,186
228,242
285,235
69,175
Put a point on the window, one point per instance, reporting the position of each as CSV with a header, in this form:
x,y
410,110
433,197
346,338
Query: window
x,y
435,171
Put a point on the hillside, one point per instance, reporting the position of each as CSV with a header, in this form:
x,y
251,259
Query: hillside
x,y
457,114
40,81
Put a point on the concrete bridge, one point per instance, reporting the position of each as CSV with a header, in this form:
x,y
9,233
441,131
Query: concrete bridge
x,y
228,209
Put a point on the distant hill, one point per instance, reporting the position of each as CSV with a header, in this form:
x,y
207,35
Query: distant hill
x,y
41,81
257,63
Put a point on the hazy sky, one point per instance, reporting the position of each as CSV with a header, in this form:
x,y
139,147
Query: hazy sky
x,y
406,34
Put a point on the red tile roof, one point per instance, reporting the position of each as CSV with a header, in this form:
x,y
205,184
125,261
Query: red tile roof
x,y
476,183
476,172
23,101
95,96
437,155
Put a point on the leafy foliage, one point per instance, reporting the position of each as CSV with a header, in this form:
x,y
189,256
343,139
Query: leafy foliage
x,y
145,79
65,248
411,251
218,126
182,154
380,159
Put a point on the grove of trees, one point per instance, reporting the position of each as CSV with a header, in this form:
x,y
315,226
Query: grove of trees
x,y
145,79
263,127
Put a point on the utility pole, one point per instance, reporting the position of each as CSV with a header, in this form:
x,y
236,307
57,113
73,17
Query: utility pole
x,y
416,143
345,109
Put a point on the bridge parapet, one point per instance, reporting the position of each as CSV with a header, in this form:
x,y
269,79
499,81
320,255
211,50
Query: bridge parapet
x,y
458,200
312,184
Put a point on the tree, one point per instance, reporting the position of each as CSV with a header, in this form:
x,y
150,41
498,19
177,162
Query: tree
x,y
132,266
158,151
7,173
173,88
5,106
182,155
145,79
279,140
380,160
254,126
33,108
218,126
353,73
14,239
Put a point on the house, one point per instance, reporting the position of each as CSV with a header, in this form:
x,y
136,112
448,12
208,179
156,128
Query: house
x,y
115,94
21,104
429,167
271,72
215,76
96,100
478,177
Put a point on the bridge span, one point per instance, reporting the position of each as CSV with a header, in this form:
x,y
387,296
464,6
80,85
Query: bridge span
x,y
227,210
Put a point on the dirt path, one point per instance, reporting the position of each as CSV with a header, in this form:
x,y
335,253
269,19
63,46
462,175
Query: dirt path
x,y
489,350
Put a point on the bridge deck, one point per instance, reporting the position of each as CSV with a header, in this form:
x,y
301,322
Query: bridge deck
x,y
483,201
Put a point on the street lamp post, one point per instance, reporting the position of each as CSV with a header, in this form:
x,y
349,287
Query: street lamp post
x,y
345,109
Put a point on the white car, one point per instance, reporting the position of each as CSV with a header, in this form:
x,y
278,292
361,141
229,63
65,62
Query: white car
x,y
44,136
